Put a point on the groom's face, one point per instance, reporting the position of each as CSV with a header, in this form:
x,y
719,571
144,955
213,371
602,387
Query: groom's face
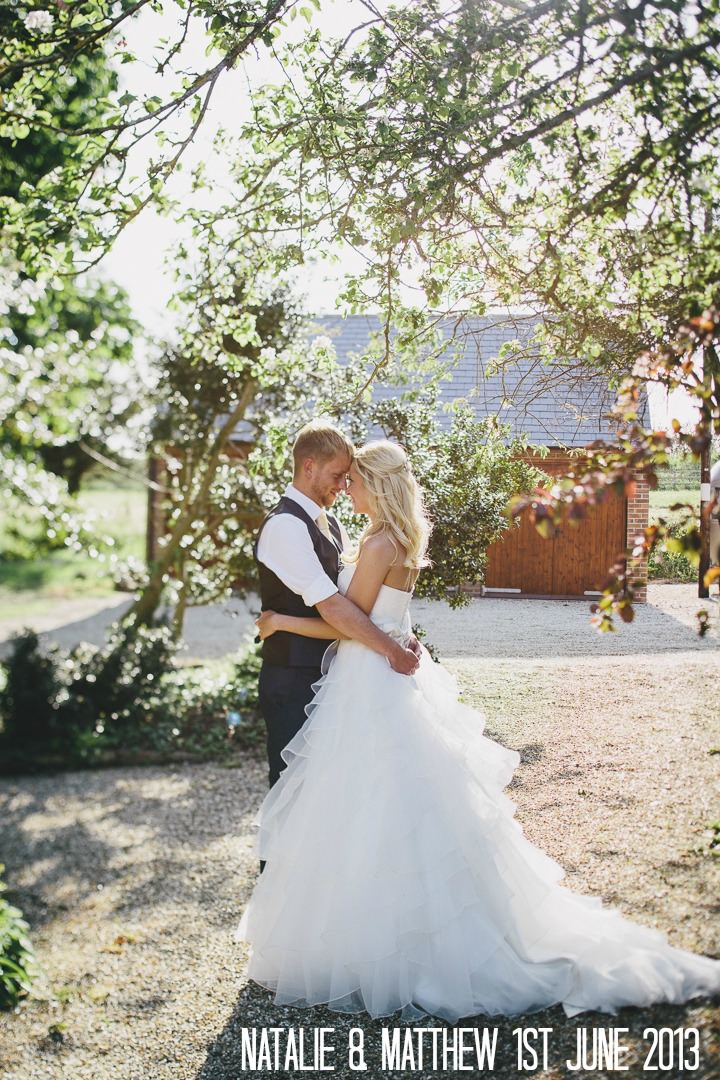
x,y
327,478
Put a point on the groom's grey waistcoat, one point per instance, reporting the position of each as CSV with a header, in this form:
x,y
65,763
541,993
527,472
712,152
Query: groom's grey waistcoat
x,y
292,650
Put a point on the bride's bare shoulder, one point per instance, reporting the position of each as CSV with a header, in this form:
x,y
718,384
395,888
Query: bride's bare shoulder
x,y
380,549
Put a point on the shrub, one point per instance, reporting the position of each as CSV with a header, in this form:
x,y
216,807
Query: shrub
x,y
17,960
123,700
53,701
30,698
117,688
210,712
675,565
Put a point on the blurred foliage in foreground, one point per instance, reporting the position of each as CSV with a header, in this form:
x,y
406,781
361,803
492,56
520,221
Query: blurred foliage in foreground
x,y
17,960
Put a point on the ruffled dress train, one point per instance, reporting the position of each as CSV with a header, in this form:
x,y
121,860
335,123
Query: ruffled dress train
x,y
397,877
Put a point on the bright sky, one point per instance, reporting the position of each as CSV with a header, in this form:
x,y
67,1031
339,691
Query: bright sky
x,y
136,261
666,406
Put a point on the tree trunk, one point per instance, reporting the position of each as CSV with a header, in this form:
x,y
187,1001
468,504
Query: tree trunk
x,y
181,605
146,605
711,372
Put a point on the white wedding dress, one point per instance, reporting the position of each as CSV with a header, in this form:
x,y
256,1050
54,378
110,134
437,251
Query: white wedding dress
x,y
397,877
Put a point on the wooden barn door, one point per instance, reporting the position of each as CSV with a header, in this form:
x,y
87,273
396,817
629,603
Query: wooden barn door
x,y
572,563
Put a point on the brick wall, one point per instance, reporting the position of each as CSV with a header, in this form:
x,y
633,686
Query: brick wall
x,y
638,509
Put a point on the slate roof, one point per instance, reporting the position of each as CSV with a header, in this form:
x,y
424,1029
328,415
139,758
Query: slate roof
x,y
542,402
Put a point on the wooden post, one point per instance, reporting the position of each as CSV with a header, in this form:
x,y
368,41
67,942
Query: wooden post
x,y
152,534
704,565
710,373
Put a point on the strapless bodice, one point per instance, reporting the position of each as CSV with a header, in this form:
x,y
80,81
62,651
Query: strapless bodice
x,y
391,610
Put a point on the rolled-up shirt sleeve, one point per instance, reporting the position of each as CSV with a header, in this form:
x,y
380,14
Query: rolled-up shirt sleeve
x,y
285,548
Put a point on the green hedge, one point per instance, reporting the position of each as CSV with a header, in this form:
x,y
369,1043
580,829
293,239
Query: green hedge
x,y
681,473
673,565
126,701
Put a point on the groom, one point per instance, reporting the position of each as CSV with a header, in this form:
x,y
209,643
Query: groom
x,y
298,550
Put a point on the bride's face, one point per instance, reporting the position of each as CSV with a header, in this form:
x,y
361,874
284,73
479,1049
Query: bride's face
x,y
358,492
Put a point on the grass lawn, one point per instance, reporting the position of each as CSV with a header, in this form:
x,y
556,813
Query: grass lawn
x,y
661,501
118,509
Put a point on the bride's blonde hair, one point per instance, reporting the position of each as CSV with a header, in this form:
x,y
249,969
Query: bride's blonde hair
x,y
396,499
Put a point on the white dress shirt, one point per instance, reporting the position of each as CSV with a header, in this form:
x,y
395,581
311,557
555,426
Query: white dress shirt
x,y
285,548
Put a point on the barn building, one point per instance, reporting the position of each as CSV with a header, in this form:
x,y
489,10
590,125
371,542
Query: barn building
x,y
553,409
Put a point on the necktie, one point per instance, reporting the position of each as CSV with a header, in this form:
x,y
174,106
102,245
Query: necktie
x,y
323,525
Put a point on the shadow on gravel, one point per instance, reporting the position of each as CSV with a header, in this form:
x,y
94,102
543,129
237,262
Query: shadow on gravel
x,y
49,855
531,752
115,839
586,1035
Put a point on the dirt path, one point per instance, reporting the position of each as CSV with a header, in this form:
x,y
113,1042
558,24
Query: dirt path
x,y
133,879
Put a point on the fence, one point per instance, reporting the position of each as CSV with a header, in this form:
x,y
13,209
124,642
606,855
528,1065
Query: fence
x,y
682,473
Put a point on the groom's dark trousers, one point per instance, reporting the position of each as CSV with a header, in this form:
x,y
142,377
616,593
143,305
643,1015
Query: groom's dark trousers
x,y
283,694
291,663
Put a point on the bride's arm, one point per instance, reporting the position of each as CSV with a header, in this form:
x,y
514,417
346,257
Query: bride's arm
x,y
269,622
376,557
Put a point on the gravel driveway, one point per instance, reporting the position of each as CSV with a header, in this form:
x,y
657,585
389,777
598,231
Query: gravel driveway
x,y
487,627
133,879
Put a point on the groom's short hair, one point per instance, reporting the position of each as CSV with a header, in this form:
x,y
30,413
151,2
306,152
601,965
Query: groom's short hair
x,y
322,441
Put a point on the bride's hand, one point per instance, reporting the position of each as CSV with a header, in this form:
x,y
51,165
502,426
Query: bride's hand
x,y
266,623
414,646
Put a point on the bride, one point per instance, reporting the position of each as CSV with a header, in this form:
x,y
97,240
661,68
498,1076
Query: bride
x,y
396,876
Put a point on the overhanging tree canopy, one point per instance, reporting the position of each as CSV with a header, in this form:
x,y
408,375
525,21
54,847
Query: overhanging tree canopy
x,y
557,155
66,344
